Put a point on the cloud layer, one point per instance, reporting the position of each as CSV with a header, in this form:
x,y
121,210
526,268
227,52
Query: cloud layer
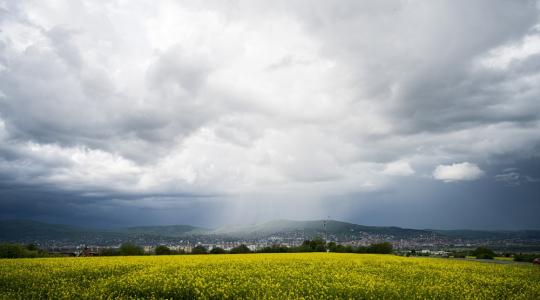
x,y
289,99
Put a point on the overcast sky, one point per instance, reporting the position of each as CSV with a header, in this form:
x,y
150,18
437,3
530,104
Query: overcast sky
x,y
420,114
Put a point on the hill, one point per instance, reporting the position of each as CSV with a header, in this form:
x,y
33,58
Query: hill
x,y
25,231
16,230
170,230
316,227
490,235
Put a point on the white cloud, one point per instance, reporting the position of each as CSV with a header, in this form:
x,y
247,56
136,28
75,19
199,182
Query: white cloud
x,y
457,172
3,131
502,56
398,168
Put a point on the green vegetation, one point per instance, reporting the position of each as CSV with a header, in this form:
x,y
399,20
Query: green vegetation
x,y
265,276
526,257
199,250
19,251
483,253
240,249
130,249
218,250
162,250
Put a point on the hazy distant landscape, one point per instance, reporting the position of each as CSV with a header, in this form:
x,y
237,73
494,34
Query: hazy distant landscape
x,y
280,232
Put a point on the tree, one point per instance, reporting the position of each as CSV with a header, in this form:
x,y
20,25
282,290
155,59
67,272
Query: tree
x,y
333,247
276,249
130,249
162,250
240,249
526,257
381,248
199,250
15,251
11,251
459,254
32,247
217,250
316,245
109,252
483,253
361,249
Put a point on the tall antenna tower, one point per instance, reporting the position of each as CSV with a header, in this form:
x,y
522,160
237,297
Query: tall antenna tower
x,y
325,232
325,222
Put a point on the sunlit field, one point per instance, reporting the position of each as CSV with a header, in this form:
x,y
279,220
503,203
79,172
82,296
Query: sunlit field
x,y
267,276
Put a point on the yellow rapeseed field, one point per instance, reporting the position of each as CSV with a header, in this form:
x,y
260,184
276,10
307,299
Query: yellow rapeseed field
x,y
265,276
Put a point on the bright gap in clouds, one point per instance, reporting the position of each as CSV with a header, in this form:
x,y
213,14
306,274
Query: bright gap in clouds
x,y
284,102
457,172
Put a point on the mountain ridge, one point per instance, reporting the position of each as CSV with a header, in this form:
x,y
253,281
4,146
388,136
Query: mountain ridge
x,y
17,230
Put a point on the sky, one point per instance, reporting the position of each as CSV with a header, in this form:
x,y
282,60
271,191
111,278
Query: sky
x,y
421,114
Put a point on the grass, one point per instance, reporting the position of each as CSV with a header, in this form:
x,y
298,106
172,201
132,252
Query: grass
x,y
504,258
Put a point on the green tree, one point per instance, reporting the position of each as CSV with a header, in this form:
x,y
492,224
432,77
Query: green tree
x,y
483,253
109,252
333,247
361,249
459,254
276,249
381,248
130,249
15,251
11,251
316,245
32,247
526,257
199,250
162,250
217,250
240,249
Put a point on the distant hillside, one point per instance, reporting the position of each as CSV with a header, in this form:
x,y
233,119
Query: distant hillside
x,y
14,230
31,231
490,235
170,230
25,231
315,227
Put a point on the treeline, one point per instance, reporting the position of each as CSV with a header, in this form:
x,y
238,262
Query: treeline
x,y
128,249
316,245
479,253
321,246
526,257
307,246
487,253
21,251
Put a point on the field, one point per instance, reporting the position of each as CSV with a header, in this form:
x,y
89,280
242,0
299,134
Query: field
x,y
269,276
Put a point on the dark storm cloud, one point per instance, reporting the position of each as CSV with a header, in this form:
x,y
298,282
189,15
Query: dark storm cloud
x,y
111,113
49,204
414,202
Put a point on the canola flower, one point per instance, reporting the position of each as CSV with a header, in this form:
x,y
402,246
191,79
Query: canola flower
x,y
265,276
